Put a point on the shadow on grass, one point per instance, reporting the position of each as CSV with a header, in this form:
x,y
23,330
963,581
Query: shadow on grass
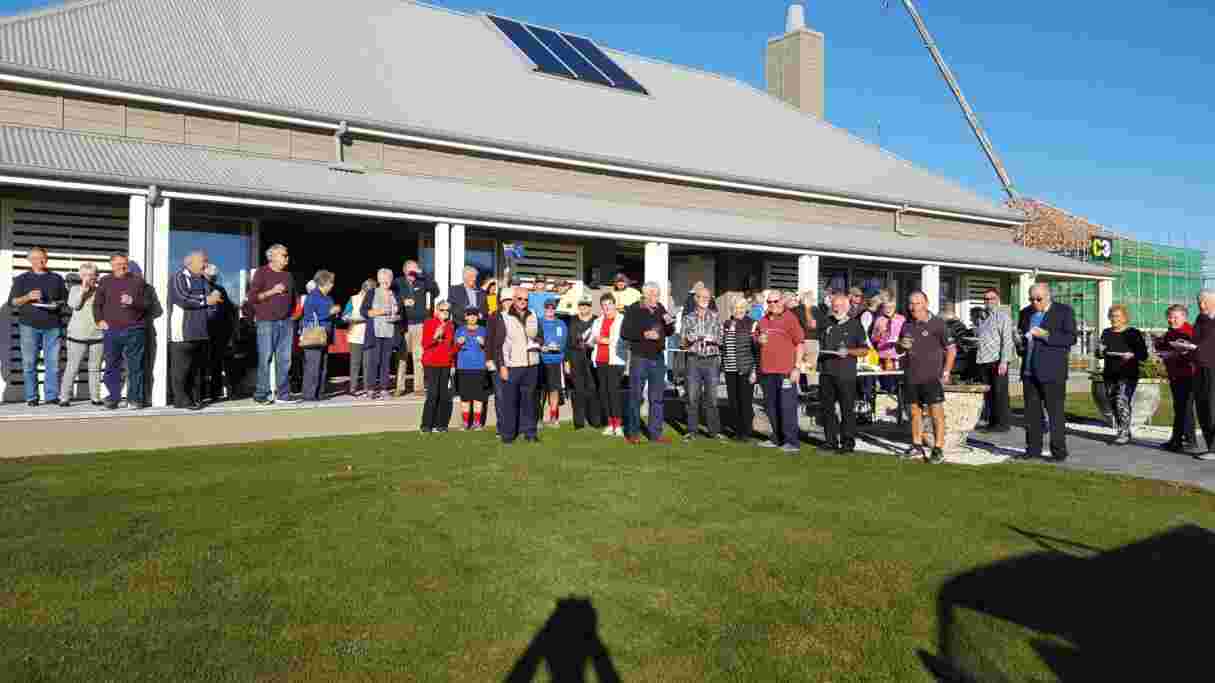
x,y
1121,614
568,643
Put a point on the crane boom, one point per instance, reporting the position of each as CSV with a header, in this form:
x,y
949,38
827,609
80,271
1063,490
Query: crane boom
x,y
973,119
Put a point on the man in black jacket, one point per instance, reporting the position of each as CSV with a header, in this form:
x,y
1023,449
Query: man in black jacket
x,y
417,294
1046,332
467,295
578,364
647,324
1204,357
842,341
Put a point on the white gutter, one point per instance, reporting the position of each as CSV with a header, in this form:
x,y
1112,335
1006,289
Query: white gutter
x,y
497,151
633,237
67,185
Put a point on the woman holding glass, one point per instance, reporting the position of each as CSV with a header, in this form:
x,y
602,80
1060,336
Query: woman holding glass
x,y
319,311
383,313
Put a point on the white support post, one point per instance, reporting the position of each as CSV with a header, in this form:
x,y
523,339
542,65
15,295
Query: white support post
x,y
457,256
807,275
442,272
930,282
137,230
657,267
1105,299
158,278
6,288
1024,284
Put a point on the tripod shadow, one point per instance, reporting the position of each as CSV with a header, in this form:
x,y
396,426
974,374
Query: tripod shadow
x,y
1120,614
567,644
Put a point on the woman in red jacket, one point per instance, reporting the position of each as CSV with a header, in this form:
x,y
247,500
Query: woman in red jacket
x,y
1181,380
438,356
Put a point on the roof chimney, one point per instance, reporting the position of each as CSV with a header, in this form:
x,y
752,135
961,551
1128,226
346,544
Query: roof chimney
x,y
795,67
796,18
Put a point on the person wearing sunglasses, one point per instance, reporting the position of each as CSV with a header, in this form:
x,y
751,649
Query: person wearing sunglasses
x,y
1046,332
438,357
780,337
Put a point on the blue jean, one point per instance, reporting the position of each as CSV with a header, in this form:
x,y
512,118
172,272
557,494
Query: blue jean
x,y
519,407
34,340
649,376
780,402
274,338
125,347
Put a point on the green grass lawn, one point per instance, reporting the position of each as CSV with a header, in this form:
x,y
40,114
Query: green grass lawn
x,y
1082,406
402,557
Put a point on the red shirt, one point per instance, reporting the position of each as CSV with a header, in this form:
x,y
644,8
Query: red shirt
x,y
785,334
1178,366
440,353
603,354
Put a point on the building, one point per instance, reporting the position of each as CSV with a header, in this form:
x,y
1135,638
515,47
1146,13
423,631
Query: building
x,y
1148,277
394,130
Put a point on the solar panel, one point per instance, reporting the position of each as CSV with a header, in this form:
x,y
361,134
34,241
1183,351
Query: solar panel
x,y
610,68
571,57
533,48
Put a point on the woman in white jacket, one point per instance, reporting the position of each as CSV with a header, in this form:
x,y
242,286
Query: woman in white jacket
x,y
83,338
609,356
355,335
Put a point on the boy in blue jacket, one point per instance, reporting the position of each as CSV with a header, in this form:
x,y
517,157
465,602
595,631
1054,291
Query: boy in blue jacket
x,y
552,356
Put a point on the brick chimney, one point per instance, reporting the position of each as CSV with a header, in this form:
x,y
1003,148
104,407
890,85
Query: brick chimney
x,y
795,69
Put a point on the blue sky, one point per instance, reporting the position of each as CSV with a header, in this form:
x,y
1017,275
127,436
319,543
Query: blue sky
x,y
1102,108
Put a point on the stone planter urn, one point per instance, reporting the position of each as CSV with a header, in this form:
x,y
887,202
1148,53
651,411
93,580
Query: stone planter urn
x,y
963,408
1146,403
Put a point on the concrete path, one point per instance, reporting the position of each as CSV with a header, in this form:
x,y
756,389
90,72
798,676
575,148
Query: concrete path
x,y
1089,449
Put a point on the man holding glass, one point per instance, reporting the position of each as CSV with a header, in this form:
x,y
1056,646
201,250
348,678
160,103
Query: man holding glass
x,y
842,341
647,324
931,352
780,337
1046,332
701,341
118,308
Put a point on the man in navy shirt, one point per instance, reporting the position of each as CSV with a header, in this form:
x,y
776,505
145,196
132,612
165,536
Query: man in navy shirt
x,y
38,296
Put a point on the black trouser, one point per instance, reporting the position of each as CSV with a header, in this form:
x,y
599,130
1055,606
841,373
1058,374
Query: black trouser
x,y
585,394
740,398
999,415
437,412
1051,396
611,396
1182,389
316,372
839,431
1204,400
217,375
185,370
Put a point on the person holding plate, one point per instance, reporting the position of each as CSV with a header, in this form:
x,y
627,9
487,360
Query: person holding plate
x,y
37,296
1181,379
1046,332
1123,348
842,341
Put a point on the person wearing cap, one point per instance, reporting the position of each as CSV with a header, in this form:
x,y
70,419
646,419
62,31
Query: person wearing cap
x,y
582,374
556,342
515,343
472,380
624,294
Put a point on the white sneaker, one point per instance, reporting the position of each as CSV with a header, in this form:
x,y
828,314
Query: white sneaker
x,y
609,431
619,431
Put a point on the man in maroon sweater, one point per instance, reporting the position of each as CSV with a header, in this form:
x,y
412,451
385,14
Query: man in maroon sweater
x,y
272,298
1204,357
119,307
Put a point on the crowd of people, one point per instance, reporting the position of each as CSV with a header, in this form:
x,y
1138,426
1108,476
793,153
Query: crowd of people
x,y
531,348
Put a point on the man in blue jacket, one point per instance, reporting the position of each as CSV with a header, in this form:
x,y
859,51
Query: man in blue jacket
x,y
417,294
190,295
1046,332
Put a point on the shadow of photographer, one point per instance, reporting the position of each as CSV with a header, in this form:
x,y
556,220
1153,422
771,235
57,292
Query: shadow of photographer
x,y
567,644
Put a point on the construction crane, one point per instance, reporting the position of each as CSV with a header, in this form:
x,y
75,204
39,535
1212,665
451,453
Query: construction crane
x,y
971,117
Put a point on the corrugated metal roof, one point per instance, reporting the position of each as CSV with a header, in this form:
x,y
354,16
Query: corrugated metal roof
x,y
412,67
43,152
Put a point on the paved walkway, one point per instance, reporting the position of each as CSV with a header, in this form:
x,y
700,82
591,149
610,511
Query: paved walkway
x,y
1089,449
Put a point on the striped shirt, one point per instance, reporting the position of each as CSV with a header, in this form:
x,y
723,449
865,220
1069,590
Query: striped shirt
x,y
739,356
995,338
